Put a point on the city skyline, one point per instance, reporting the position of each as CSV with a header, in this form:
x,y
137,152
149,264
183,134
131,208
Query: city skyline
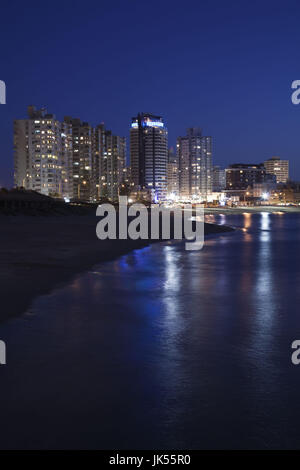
x,y
150,219
232,75
73,160
171,145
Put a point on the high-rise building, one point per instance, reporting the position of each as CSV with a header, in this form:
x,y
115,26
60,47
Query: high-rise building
x,y
127,175
183,155
110,161
99,165
68,159
194,153
149,154
279,168
173,174
82,135
42,153
116,160
219,179
240,176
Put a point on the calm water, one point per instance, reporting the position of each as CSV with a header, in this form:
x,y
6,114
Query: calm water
x,y
164,348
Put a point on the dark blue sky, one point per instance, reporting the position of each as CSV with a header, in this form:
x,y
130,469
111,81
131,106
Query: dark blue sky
x,y
224,66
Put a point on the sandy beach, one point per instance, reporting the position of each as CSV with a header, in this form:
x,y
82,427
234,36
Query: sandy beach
x,y
40,253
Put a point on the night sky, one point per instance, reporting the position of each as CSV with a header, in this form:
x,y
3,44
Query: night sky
x,y
224,66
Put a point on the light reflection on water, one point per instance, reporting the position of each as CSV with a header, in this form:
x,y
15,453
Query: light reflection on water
x,y
165,348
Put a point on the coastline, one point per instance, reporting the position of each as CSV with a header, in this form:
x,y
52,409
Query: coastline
x,y
252,209
39,254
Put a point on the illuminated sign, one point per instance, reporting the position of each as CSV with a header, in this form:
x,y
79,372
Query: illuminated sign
x,y
153,123
148,123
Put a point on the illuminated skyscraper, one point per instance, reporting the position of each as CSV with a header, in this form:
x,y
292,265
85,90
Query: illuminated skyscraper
x,y
82,156
219,178
69,159
109,162
115,163
279,168
149,154
173,174
42,153
194,153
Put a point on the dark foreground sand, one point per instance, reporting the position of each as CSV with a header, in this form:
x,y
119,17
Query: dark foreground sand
x,y
38,254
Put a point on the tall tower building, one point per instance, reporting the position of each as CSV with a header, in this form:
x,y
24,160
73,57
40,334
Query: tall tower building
x,y
173,173
279,168
99,162
68,159
110,162
116,159
184,165
82,158
194,153
42,153
149,154
219,178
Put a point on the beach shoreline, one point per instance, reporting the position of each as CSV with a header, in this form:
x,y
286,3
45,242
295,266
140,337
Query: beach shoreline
x,y
39,254
250,209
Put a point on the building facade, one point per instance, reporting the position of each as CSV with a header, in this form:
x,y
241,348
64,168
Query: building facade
x,y
194,153
240,176
173,174
42,153
69,159
82,155
110,163
149,155
116,161
219,178
279,168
